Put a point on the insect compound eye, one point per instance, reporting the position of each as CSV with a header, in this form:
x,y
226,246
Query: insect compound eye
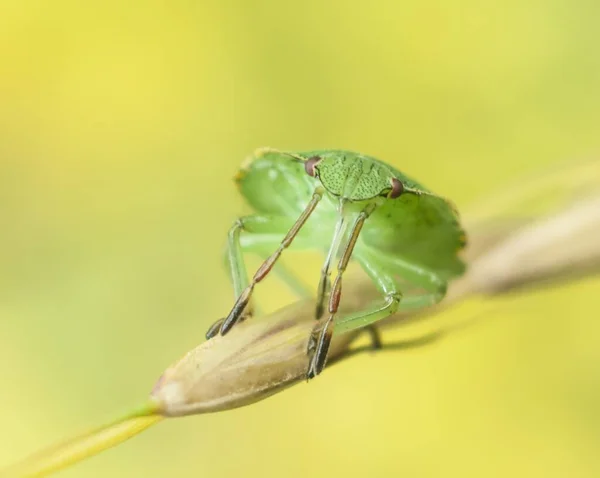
x,y
397,188
309,165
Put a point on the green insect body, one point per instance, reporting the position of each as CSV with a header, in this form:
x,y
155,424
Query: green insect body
x,y
348,205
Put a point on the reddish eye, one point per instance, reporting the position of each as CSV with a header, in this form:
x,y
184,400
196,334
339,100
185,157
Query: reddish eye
x,y
309,165
397,188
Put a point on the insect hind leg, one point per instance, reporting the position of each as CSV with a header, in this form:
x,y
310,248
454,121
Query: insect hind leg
x,y
433,285
375,337
382,268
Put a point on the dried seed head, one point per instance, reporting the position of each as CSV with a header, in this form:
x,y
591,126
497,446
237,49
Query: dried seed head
x,y
256,359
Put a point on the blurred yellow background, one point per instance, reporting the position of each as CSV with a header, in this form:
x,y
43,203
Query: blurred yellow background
x,y
121,126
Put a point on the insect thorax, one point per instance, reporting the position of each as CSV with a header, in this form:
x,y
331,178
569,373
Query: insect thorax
x,y
353,177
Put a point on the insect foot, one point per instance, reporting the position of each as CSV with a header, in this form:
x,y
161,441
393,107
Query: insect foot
x,y
214,328
241,311
321,337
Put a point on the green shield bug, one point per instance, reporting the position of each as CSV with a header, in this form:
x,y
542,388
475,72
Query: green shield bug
x,y
347,205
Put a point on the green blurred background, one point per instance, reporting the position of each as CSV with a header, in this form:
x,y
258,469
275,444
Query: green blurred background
x,y
121,125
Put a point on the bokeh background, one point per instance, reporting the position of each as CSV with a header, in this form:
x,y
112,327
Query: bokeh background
x,y
121,126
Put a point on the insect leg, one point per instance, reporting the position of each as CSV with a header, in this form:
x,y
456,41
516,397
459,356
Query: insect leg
x,y
375,337
433,285
258,228
385,283
285,274
290,279
262,244
325,281
382,268
319,347
246,294
365,318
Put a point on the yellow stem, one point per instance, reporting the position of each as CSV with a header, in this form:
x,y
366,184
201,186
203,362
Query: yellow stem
x,y
60,456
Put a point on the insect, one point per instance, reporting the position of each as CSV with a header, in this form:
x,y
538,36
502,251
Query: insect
x,y
347,205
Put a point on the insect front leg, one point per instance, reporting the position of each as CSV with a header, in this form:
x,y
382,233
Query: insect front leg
x,y
325,282
257,227
238,269
260,244
301,290
318,345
